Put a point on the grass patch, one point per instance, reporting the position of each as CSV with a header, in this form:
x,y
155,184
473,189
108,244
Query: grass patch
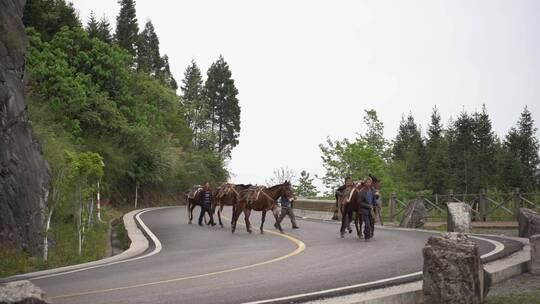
x,y
532,297
64,250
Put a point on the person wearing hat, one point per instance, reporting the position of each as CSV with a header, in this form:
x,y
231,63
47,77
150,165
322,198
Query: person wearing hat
x,y
206,203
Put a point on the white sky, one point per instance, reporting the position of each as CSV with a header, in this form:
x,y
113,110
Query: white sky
x,y
305,70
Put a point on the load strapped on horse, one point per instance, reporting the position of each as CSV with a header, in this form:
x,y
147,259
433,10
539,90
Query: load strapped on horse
x,y
359,203
243,199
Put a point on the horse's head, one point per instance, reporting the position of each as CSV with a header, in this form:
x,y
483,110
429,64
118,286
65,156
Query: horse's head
x,y
287,190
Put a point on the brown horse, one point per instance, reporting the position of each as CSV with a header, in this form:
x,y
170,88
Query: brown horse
x,y
227,195
193,200
349,206
261,199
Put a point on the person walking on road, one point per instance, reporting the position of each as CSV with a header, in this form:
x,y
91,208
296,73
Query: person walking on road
x,y
206,204
366,202
286,209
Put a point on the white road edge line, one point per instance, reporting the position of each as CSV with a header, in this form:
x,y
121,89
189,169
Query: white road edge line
x,y
156,250
498,248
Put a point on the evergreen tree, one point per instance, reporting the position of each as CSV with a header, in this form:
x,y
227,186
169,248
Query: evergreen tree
x,y
104,30
436,155
484,150
461,142
305,187
224,111
92,27
195,111
148,58
523,145
165,76
47,17
127,27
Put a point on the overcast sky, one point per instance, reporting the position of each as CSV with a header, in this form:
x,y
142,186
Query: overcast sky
x,y
306,70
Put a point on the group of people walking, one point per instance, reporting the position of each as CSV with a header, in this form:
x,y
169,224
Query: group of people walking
x,y
360,200
207,196
358,203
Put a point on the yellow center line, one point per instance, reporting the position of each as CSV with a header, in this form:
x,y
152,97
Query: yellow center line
x,y
300,247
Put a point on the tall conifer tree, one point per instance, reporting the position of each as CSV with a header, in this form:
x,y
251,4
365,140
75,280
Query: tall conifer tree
x,y
127,27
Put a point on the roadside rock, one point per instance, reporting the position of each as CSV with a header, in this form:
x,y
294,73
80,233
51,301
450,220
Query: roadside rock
x,y
453,271
24,174
459,217
22,292
534,241
415,215
529,222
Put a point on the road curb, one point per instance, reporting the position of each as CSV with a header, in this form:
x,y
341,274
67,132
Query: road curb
x,y
139,244
411,293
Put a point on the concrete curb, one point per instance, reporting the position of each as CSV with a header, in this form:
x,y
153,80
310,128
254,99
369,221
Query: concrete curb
x,y
411,293
139,244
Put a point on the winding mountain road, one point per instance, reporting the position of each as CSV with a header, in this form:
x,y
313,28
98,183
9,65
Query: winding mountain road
x,y
211,265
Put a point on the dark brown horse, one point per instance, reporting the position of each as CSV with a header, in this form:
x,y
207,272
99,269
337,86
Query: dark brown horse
x,y
227,195
350,207
261,199
193,198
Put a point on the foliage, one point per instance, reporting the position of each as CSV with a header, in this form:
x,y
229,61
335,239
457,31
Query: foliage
x,y
282,175
304,186
127,27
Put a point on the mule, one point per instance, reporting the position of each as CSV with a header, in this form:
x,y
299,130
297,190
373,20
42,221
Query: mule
x,y
227,195
193,198
261,199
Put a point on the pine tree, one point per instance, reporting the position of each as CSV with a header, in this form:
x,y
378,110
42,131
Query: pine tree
x,y
484,150
127,27
436,155
92,26
224,111
104,30
195,111
148,58
461,142
305,187
165,75
522,144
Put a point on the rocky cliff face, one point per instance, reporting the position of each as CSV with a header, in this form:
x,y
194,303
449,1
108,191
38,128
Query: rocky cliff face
x,y
24,174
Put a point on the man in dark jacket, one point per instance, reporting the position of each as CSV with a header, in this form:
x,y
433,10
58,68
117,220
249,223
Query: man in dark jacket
x,y
366,202
286,209
205,200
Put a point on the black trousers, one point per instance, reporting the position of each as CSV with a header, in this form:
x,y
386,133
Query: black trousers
x,y
369,225
204,209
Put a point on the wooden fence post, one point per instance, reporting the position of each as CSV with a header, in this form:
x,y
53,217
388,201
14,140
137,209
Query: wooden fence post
x,y
517,200
482,204
393,206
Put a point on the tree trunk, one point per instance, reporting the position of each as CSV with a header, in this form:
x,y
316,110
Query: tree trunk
x,y
98,207
45,240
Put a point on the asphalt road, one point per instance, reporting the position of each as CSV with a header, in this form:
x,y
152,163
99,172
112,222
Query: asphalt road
x,y
211,265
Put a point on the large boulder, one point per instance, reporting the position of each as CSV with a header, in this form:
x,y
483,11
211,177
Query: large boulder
x,y
415,215
459,217
453,271
22,292
24,174
529,222
534,241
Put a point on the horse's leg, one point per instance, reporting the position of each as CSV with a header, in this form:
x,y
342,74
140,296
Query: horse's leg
x,y
191,212
219,214
190,216
262,220
356,224
344,221
247,213
234,220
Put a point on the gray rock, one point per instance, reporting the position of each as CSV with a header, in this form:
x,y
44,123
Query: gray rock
x,y
24,174
453,272
415,215
529,222
534,241
459,217
22,292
